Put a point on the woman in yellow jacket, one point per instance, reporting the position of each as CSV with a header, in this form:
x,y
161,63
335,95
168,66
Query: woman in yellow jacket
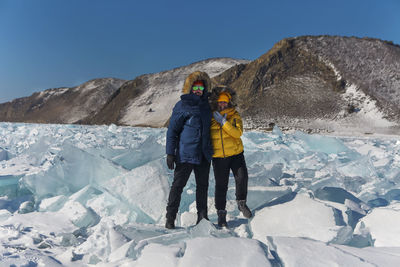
x,y
226,130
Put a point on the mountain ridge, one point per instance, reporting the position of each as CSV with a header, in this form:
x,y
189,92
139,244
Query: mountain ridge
x,y
60,105
313,83
148,100
309,78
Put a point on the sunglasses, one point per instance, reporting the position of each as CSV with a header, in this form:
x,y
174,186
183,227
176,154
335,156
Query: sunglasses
x,y
195,88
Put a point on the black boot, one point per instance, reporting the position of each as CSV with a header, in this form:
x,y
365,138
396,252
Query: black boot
x,y
244,209
201,215
170,223
222,218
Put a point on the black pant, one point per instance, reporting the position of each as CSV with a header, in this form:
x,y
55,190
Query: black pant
x,y
181,176
222,167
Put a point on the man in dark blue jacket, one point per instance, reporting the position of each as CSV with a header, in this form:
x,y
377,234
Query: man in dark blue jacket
x,y
189,145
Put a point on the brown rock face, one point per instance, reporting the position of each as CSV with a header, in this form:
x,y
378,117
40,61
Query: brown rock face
x,y
112,111
61,105
303,79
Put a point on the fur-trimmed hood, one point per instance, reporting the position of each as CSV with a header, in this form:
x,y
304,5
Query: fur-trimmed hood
x,y
213,99
197,76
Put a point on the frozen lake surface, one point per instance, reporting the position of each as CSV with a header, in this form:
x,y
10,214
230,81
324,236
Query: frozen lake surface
x,y
75,195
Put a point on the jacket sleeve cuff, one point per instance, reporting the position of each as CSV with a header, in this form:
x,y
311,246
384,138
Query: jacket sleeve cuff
x,y
169,152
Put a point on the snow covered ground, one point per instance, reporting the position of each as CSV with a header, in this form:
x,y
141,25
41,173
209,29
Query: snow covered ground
x,y
75,195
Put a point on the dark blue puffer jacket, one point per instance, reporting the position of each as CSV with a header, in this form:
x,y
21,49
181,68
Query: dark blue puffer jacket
x,y
188,135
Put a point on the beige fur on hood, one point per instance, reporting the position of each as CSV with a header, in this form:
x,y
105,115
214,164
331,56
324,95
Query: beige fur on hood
x,y
196,76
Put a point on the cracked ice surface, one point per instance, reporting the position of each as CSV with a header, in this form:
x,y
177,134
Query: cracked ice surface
x,y
76,195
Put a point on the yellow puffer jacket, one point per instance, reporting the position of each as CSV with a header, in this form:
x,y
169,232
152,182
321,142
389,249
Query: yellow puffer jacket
x,y
226,139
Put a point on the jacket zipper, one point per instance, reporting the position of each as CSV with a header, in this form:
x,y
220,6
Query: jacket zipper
x,y
222,142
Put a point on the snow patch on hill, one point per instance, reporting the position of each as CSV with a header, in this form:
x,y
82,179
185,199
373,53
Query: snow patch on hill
x,y
155,105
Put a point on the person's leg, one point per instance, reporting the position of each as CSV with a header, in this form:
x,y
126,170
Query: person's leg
x,y
181,176
239,169
202,173
221,174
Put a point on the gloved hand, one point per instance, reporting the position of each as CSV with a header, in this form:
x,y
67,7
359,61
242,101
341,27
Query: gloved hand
x,y
219,118
170,161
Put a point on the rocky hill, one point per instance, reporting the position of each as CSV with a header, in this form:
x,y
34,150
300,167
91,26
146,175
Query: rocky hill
x,y
61,105
148,100
145,101
321,83
314,83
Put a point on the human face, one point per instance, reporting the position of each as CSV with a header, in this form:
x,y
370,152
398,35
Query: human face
x,y
222,105
197,91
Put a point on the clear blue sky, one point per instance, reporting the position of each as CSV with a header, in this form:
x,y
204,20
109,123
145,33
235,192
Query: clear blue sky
x,y
63,43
